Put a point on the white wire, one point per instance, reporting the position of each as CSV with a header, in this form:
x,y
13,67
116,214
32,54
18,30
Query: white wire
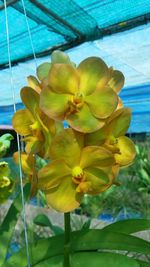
x,y
18,143
29,32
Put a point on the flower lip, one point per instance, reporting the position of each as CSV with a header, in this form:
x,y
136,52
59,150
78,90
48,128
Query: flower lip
x,y
77,175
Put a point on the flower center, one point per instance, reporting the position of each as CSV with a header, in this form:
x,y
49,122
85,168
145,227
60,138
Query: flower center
x,y
75,103
78,99
77,175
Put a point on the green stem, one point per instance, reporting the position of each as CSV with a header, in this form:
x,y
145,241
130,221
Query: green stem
x,y
67,239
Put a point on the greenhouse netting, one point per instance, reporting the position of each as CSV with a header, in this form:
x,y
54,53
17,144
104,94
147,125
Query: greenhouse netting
x,y
83,28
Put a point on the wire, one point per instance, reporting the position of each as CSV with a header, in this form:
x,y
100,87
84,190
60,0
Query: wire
x,y
18,142
29,32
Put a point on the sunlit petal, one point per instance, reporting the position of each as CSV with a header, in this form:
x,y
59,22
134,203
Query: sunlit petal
x,y
34,83
21,121
59,57
127,151
84,121
92,71
98,179
33,145
120,103
54,105
63,79
94,156
45,131
65,145
50,176
43,70
30,98
64,198
119,122
102,102
27,162
117,81
96,138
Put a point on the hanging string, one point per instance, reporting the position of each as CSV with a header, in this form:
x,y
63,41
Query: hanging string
x,y
18,142
29,32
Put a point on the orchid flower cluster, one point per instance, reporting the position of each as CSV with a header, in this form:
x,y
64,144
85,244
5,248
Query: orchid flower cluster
x,y
85,157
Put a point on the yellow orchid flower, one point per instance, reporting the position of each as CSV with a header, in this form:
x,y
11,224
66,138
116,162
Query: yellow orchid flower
x,y
34,83
116,82
84,96
6,184
111,137
28,165
33,124
57,57
74,171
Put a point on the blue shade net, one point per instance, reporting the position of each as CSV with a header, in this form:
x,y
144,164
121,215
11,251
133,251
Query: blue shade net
x,y
83,29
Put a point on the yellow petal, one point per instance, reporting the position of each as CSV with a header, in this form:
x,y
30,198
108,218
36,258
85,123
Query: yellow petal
x,y
120,103
83,121
117,81
94,156
102,102
127,151
27,162
60,57
50,176
33,145
63,79
96,138
34,184
54,105
21,121
46,127
34,83
30,98
43,70
99,180
119,122
64,198
65,145
92,71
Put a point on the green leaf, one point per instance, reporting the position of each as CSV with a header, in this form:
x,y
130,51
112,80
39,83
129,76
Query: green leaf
x,y
144,264
86,225
94,259
101,239
43,220
129,226
91,240
8,225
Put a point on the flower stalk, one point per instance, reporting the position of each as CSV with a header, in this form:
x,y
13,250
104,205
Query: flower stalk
x,y
67,229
